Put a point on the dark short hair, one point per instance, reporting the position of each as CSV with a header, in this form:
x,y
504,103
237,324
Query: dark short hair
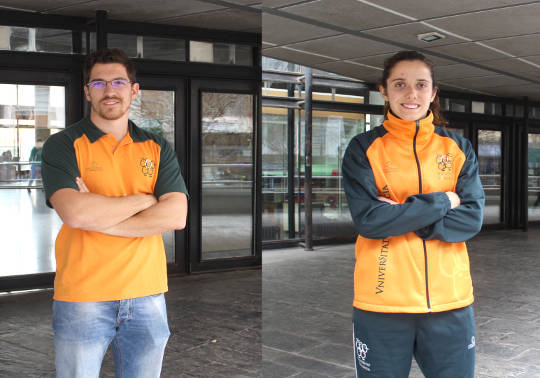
x,y
106,55
401,56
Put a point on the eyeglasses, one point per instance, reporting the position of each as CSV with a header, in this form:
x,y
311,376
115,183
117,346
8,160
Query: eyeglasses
x,y
102,84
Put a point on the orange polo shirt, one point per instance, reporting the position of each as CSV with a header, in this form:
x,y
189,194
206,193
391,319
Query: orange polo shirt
x,y
92,266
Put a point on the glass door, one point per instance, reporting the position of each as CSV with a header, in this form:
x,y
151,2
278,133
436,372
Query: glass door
x,y
227,174
160,109
533,198
33,106
332,132
490,168
223,190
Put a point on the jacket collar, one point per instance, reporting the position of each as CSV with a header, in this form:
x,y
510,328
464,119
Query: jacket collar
x,y
406,130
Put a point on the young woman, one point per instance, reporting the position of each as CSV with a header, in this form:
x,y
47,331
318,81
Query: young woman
x,y
415,196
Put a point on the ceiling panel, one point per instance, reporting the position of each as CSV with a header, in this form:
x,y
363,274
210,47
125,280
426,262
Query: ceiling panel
x,y
344,46
251,3
504,22
255,30
350,14
352,70
455,88
267,45
456,71
515,66
293,56
534,59
483,32
130,10
486,82
469,51
283,31
378,60
520,45
531,91
193,13
407,34
36,5
428,8
280,3
230,19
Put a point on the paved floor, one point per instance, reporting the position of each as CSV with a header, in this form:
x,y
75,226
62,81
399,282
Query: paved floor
x,y
215,323
307,308
215,319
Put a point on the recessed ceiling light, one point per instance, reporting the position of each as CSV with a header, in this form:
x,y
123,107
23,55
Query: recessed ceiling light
x,y
430,37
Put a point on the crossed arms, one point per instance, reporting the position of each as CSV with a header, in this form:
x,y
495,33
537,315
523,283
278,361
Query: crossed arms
x,y
134,215
447,216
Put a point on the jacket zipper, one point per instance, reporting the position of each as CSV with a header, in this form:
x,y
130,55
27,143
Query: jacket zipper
x,y
420,192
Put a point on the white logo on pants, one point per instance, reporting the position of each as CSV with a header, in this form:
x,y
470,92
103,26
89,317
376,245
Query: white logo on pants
x,y
361,354
472,344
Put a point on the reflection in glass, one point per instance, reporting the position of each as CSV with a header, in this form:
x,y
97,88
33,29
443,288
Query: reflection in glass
x,y
36,39
153,111
164,48
149,47
275,175
490,168
332,133
227,175
220,53
29,114
29,230
534,177
126,42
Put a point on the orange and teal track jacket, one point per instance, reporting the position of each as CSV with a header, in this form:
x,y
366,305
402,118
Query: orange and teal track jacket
x,y
411,257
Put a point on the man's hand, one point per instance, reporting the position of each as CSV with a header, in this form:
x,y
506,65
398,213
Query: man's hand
x,y
82,186
388,200
455,201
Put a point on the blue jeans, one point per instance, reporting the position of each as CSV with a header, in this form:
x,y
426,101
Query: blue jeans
x,y
136,327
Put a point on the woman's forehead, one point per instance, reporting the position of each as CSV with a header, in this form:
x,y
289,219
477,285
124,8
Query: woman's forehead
x,y
411,69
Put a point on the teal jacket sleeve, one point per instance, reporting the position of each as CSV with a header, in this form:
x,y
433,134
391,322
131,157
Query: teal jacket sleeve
x,y
464,221
376,219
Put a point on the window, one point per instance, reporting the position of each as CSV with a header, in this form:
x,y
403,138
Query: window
x,y
149,47
36,39
220,53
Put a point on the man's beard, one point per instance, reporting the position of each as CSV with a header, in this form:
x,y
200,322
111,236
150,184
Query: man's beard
x,y
111,114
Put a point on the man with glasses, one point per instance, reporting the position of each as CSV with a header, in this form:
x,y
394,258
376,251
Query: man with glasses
x,y
117,188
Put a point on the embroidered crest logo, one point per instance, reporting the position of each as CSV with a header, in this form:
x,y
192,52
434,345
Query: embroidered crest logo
x,y
361,350
94,167
147,167
444,162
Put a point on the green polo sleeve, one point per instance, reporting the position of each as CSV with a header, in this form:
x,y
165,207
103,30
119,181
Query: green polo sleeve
x,y
59,166
169,175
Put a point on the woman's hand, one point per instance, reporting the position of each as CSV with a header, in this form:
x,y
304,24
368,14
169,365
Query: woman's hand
x,y
455,201
388,200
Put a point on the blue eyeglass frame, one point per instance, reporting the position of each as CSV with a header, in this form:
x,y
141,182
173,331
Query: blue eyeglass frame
x,y
115,83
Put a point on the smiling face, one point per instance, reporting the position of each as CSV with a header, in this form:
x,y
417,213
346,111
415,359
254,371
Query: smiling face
x,y
409,89
110,103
